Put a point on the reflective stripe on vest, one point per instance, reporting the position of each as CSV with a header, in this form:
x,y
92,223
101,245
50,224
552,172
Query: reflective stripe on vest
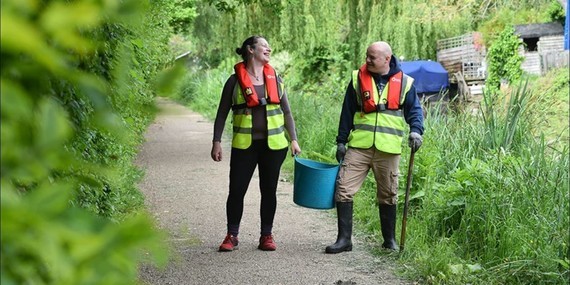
x,y
384,128
242,123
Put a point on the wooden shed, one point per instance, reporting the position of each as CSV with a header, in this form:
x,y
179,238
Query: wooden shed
x,y
543,47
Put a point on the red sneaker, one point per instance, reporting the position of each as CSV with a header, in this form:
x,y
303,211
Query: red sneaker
x,y
230,243
267,243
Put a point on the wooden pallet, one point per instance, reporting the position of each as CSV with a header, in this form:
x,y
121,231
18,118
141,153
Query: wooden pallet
x,y
463,54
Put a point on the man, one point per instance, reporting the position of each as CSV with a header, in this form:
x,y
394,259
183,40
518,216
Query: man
x,y
380,100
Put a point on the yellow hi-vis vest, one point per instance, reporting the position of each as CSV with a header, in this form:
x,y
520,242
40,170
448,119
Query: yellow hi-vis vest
x,y
384,128
242,122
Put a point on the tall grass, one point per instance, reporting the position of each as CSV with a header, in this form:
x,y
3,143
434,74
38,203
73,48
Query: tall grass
x,y
497,211
489,196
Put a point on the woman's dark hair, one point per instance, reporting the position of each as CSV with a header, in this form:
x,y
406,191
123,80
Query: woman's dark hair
x,y
249,42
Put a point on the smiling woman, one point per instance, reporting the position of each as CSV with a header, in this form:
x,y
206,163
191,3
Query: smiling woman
x,y
261,115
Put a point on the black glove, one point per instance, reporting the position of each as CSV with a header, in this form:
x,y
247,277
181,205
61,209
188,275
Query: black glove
x,y
340,152
415,141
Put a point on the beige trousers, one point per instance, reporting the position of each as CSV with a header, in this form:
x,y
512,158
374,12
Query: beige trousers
x,y
354,170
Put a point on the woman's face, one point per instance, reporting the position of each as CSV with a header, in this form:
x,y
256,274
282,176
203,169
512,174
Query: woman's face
x,y
262,51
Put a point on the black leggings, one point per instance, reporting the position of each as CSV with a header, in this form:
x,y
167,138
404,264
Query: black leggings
x,y
242,165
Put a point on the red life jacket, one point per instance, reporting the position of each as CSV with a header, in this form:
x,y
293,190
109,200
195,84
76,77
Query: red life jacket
x,y
366,85
247,89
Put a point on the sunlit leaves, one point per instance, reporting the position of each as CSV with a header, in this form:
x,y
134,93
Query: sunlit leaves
x,y
21,36
163,83
64,22
33,134
39,225
504,60
67,146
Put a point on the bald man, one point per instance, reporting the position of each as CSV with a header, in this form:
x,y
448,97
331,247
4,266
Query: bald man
x,y
380,107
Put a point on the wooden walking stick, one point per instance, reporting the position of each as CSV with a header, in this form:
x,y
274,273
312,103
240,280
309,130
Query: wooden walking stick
x,y
406,201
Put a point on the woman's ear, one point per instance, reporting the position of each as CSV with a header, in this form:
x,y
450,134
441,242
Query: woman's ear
x,y
250,48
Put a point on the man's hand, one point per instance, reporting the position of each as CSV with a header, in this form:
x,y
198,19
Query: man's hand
x,y
340,152
415,141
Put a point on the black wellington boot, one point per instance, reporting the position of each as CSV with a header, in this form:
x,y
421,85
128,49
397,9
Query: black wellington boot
x,y
388,224
344,238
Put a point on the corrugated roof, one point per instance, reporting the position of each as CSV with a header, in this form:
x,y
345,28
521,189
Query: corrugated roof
x,y
539,30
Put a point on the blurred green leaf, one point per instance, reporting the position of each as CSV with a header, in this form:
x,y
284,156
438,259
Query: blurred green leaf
x,y
165,82
14,101
75,101
53,127
29,40
64,21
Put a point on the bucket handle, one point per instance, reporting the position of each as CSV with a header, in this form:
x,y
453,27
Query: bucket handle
x,y
295,157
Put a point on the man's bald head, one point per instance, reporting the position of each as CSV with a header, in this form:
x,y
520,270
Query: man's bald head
x,y
382,47
378,57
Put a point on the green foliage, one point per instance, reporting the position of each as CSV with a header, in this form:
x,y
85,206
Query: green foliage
x,y
552,90
504,60
505,17
326,30
501,210
506,125
556,12
194,87
347,27
182,14
311,66
76,99
232,5
46,242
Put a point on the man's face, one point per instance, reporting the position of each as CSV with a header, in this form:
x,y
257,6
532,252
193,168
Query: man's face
x,y
377,61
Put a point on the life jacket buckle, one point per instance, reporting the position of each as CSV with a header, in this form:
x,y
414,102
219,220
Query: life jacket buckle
x,y
380,107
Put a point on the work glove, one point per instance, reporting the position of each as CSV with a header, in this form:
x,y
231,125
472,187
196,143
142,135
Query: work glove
x,y
415,141
340,152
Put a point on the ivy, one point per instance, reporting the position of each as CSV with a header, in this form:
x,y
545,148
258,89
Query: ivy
x,y
504,60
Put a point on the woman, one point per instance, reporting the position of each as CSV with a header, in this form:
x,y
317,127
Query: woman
x,y
261,115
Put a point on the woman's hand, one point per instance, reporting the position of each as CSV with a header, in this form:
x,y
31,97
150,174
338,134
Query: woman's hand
x,y
216,151
295,149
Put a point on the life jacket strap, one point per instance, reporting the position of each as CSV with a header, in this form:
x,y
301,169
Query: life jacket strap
x,y
394,91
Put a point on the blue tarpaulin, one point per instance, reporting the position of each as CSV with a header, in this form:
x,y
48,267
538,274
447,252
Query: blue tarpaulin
x,y
430,76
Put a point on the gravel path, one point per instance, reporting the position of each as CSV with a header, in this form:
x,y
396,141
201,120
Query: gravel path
x,y
186,191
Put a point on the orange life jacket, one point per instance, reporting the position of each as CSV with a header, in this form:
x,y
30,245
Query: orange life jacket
x,y
394,90
247,89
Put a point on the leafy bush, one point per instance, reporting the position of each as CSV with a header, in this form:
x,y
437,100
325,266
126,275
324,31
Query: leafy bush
x,y
504,60
44,241
76,98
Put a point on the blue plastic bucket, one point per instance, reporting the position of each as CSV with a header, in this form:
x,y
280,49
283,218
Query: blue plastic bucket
x,y
314,183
